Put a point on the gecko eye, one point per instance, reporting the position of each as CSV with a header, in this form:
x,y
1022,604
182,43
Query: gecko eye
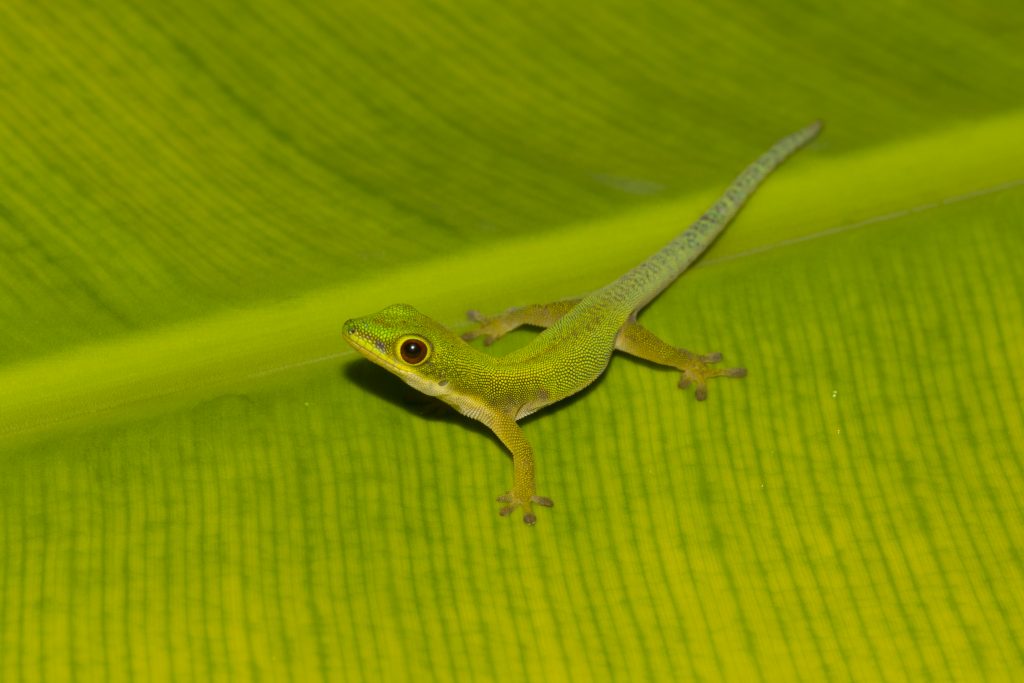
x,y
413,350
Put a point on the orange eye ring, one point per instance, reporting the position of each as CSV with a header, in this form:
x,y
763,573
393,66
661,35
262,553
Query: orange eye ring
x,y
413,350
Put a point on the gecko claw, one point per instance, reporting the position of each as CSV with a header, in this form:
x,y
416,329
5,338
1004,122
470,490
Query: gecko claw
x,y
515,502
696,371
491,329
528,518
483,321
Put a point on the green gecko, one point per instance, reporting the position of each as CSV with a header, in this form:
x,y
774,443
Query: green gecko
x,y
570,353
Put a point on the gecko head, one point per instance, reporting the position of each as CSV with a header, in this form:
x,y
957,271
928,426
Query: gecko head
x,y
406,343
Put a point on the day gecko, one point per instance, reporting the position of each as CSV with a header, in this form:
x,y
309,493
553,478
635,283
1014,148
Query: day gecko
x,y
570,353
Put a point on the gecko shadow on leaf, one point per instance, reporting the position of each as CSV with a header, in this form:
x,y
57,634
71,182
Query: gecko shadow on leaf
x,y
386,386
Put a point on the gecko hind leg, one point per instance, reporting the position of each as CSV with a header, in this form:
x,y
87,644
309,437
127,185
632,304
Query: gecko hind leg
x,y
697,371
637,340
633,338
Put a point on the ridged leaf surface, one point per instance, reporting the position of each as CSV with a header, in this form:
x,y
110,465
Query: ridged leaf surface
x,y
199,481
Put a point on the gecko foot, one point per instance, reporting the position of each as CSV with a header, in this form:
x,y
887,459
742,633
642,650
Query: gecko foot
x,y
515,502
491,329
697,371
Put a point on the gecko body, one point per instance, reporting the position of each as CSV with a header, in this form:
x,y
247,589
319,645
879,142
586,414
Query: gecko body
x,y
572,351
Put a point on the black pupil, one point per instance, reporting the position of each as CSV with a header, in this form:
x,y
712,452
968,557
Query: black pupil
x,y
413,351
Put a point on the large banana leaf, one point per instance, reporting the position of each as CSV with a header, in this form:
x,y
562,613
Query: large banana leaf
x,y
198,482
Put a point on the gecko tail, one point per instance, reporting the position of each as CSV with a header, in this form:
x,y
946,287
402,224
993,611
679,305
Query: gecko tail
x,y
650,278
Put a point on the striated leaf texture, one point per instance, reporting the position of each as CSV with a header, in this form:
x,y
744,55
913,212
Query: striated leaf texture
x,y
198,481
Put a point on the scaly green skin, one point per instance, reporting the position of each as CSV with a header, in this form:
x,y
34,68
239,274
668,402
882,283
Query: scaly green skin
x,y
567,356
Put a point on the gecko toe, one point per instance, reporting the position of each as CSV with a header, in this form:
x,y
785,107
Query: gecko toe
x,y
697,371
524,502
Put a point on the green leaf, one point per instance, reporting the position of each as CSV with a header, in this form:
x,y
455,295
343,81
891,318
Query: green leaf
x,y
199,481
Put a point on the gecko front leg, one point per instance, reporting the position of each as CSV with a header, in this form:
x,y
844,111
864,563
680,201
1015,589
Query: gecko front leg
x,y
492,328
524,491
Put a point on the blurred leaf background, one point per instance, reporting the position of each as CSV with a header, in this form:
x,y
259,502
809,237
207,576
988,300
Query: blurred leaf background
x,y
198,482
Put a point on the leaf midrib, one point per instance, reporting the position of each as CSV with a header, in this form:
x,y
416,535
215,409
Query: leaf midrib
x,y
811,198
